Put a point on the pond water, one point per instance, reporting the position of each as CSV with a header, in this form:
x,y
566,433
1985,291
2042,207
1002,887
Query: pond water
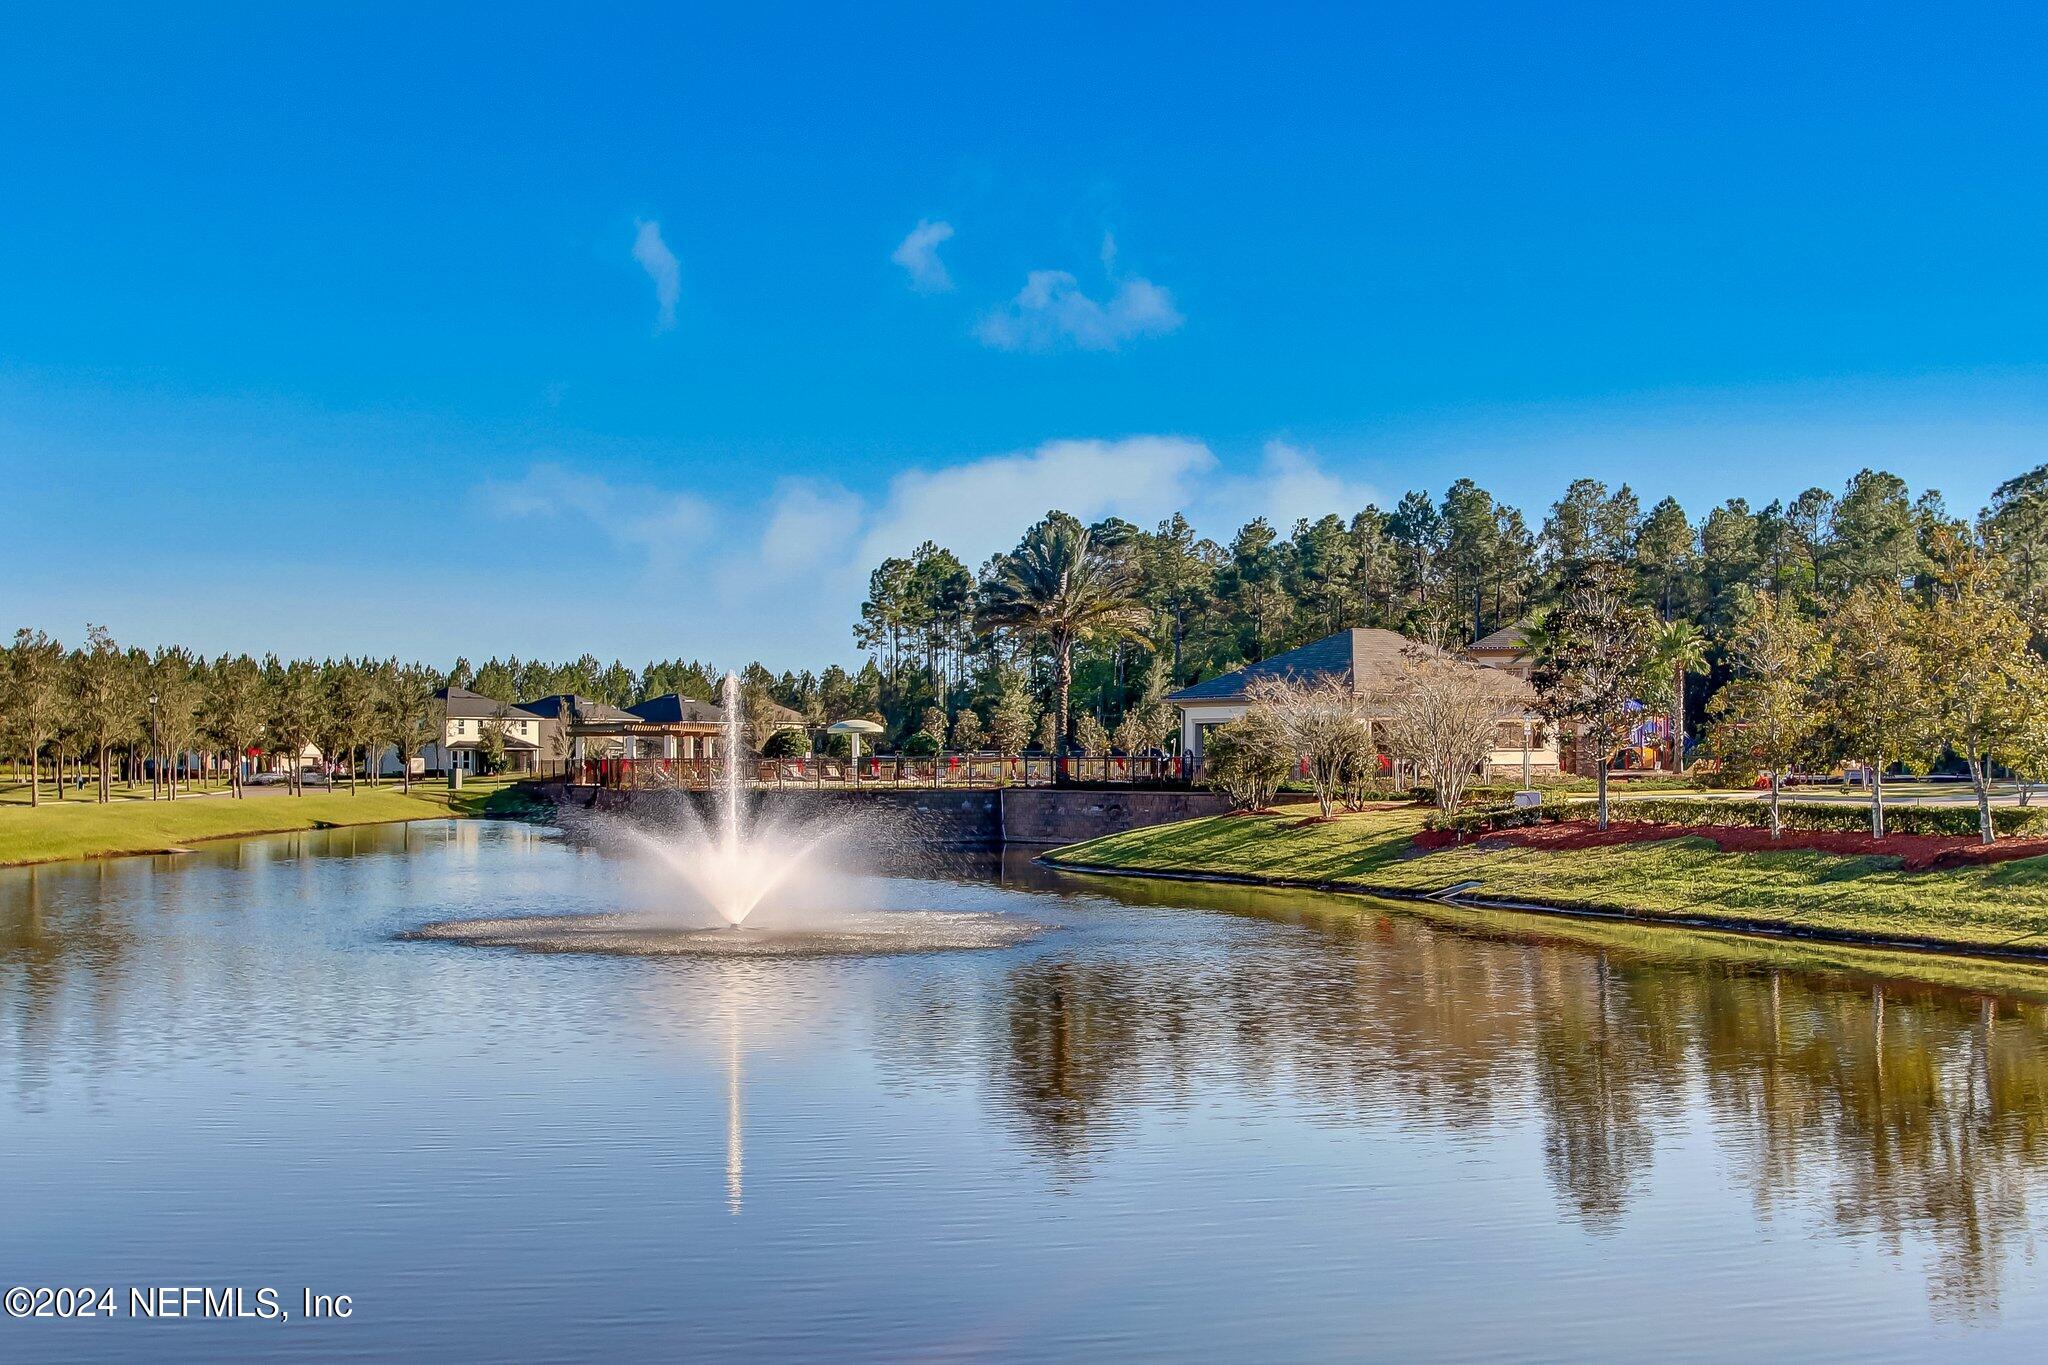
x,y
1187,1121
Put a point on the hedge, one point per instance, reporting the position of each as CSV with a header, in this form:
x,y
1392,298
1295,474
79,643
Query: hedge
x,y
1557,788
1499,793
1467,823
1830,817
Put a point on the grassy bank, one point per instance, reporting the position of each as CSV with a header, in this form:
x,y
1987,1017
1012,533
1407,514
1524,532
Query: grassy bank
x,y
1999,906
76,828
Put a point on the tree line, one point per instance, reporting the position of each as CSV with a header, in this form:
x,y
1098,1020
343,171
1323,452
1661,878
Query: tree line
x,y
1072,639
1926,630
172,716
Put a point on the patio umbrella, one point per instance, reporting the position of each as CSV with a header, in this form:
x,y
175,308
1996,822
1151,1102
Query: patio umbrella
x,y
853,730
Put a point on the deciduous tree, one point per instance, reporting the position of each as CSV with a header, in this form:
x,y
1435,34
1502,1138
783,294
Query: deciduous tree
x,y
1444,715
105,691
34,685
1871,685
234,711
174,680
1594,649
1981,679
1767,713
1326,727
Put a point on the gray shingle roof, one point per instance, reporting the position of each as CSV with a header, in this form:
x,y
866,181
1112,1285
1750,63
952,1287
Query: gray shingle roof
x,y
567,706
460,701
1364,657
670,709
1507,637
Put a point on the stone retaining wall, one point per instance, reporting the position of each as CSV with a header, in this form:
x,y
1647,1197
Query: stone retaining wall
x,y
1043,816
1053,816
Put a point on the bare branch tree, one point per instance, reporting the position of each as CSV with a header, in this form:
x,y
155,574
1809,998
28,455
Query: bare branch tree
x,y
1443,714
1327,726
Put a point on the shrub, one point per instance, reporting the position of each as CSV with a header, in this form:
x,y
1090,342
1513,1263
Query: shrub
x,y
786,743
1490,794
1469,823
920,745
1247,759
1832,817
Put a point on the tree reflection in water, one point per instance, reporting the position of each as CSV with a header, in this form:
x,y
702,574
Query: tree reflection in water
x,y
1889,1109
51,952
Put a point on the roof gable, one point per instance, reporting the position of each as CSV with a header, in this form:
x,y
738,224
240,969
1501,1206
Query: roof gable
x,y
1363,657
1351,655
460,701
1506,638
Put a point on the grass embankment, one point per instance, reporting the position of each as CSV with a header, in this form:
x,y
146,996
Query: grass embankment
x,y
2002,906
81,828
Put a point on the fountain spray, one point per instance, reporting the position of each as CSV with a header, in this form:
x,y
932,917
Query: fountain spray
x,y
729,793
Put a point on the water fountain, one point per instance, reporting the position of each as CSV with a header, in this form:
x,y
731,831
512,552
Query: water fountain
x,y
738,883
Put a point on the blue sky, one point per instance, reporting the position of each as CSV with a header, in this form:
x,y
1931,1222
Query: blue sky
x,y
645,330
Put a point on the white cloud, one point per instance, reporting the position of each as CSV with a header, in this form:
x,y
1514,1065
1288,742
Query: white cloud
x,y
918,254
807,525
781,579
662,267
1051,310
980,507
1290,483
661,527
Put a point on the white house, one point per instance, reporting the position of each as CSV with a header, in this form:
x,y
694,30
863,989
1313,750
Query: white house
x,y
464,717
1370,661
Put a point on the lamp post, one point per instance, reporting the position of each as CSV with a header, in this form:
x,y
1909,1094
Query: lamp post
x,y
156,762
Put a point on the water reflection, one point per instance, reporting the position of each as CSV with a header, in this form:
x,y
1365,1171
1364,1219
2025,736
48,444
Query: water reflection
x,y
250,1000
1893,1111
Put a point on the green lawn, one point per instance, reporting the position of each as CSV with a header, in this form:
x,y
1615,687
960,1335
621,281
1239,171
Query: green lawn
x,y
1994,906
76,828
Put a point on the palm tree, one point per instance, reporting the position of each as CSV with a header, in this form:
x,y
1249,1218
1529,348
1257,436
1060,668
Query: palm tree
x,y
1680,649
1060,584
1535,635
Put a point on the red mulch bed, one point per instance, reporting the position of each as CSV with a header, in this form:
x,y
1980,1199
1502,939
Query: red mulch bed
x,y
1918,852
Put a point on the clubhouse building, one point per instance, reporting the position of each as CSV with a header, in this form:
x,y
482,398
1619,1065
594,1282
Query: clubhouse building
x,y
1371,662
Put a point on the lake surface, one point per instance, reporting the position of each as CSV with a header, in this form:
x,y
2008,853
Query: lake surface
x,y
1188,1122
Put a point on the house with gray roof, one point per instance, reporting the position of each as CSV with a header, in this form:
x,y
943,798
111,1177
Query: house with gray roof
x,y
1372,663
464,715
564,715
1506,648
666,727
